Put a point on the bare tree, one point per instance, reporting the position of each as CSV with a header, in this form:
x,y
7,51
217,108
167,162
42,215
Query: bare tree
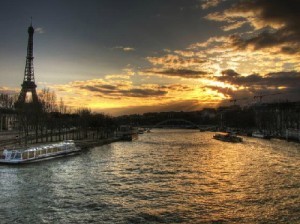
x,y
48,100
7,101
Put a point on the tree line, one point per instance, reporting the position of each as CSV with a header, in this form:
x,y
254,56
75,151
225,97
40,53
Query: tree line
x,y
51,120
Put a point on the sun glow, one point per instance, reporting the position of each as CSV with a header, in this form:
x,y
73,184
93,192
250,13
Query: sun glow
x,y
219,84
28,98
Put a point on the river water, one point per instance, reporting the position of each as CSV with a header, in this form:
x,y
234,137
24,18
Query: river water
x,y
167,176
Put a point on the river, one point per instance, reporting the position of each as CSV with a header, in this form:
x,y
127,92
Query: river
x,y
167,176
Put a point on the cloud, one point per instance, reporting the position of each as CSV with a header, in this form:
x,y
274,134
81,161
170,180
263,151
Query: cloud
x,y
178,87
209,3
233,25
175,61
276,85
230,73
8,90
126,49
183,73
275,79
114,89
275,24
117,92
39,30
127,74
117,76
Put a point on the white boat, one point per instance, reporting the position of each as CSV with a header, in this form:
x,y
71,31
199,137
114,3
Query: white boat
x,y
258,134
42,152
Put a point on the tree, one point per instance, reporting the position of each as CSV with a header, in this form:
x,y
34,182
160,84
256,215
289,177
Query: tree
x,y
7,101
47,99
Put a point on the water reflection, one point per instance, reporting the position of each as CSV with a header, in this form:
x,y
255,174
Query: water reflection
x,y
167,176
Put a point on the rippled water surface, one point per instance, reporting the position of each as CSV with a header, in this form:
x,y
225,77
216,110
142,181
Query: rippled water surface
x,y
167,176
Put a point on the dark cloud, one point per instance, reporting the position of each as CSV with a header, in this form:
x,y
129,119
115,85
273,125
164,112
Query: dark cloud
x,y
246,97
282,16
110,91
143,92
276,85
230,72
184,73
241,80
111,87
275,79
98,88
248,93
178,87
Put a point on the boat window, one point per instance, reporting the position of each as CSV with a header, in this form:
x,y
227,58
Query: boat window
x,y
18,155
13,154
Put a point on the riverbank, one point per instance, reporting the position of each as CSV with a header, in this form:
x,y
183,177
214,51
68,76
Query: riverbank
x,y
84,144
90,143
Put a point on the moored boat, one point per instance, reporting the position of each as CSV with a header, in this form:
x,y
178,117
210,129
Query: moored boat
x,y
228,138
42,152
127,133
141,131
258,134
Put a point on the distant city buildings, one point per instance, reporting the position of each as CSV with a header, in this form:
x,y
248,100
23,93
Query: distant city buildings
x,y
7,119
279,119
276,119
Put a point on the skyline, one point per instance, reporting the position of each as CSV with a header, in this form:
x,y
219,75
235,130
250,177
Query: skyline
x,y
122,57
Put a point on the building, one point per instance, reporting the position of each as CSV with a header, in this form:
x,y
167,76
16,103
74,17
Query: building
x,y
8,119
279,119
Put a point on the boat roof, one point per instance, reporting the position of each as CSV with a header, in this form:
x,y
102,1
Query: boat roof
x,y
41,147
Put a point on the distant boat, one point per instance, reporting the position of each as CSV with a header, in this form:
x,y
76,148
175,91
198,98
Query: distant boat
x,y
141,131
127,133
258,134
42,152
228,138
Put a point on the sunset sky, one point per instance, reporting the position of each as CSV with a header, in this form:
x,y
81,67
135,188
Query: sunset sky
x,y
136,56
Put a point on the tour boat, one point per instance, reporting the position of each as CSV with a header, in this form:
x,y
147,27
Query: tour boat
x,y
228,137
38,153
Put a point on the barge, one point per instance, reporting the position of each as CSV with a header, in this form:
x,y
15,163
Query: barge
x,y
228,138
38,153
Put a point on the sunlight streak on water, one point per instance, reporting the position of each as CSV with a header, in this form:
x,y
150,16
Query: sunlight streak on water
x,y
170,176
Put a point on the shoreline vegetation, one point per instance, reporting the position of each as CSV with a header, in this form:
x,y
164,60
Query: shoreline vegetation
x,y
49,121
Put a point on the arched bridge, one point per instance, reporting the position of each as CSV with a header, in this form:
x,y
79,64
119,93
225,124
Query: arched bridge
x,y
175,123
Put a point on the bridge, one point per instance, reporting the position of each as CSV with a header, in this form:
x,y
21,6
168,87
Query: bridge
x,y
178,123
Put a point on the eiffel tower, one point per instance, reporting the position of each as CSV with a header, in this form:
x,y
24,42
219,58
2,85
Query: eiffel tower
x,y
28,92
